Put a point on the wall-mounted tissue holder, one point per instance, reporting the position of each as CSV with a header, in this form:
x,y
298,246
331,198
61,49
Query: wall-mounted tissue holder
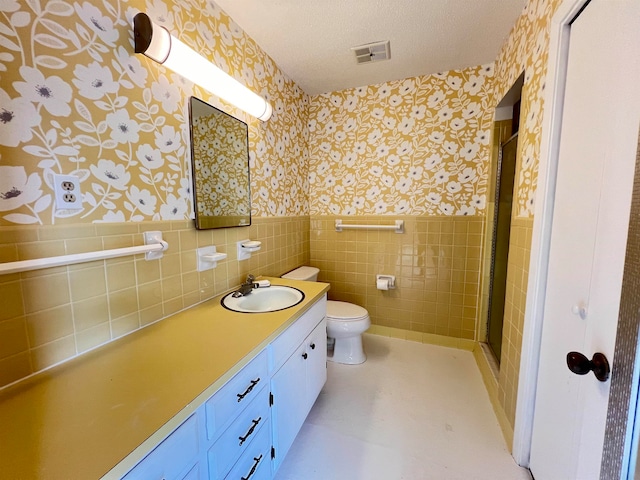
x,y
208,258
385,282
247,247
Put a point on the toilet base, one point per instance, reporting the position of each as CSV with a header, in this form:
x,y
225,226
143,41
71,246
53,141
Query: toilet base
x,y
348,351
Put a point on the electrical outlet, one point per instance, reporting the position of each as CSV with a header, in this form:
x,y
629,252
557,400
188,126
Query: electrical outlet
x,y
67,191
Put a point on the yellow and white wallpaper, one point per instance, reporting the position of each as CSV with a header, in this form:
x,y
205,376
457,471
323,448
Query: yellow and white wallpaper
x,y
221,156
527,49
75,99
418,146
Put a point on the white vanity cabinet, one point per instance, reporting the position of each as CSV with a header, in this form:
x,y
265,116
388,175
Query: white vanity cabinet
x,y
245,429
298,378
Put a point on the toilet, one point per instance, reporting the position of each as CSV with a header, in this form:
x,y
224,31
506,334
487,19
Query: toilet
x,y
346,323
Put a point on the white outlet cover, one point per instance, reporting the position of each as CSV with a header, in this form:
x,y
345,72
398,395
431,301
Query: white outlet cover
x,y
63,200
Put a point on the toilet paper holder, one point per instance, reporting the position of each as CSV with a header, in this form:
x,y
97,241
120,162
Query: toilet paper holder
x,y
388,280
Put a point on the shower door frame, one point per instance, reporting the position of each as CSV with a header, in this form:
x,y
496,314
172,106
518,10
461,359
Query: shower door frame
x,y
494,240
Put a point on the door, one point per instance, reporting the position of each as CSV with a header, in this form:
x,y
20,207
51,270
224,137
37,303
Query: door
x,y
289,408
590,218
316,363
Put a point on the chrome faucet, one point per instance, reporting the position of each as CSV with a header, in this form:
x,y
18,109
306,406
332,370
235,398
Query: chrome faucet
x,y
246,287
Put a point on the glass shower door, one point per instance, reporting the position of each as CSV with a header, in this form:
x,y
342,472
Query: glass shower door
x,y
500,244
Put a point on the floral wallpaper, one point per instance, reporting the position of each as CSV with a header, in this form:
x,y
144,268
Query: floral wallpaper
x,y
221,157
527,49
418,146
75,99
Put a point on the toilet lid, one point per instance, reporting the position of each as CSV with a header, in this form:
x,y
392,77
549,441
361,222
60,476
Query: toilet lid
x,y
301,273
345,311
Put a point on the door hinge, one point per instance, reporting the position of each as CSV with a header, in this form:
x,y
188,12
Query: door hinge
x,y
270,399
273,453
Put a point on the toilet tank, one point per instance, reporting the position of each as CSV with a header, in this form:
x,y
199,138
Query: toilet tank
x,y
309,274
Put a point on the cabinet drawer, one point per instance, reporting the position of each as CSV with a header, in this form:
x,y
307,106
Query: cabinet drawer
x,y
169,459
283,346
255,463
240,435
235,395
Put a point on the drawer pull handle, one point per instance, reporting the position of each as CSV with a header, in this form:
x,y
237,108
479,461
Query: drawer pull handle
x,y
304,355
250,431
313,346
253,469
248,390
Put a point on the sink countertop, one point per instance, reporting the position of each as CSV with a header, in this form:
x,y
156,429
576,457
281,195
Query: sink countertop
x,y
82,418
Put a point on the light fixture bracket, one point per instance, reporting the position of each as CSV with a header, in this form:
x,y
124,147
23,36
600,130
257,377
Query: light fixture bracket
x,y
154,43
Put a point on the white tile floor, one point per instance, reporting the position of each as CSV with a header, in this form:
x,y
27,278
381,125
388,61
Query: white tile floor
x,y
411,411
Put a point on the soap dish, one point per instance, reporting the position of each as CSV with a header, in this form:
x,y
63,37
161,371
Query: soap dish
x,y
252,245
247,247
208,258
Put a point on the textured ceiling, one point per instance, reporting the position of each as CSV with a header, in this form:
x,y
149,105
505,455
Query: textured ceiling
x,y
311,40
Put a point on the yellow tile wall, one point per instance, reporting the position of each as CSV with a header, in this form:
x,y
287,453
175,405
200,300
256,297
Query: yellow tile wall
x,y
436,262
51,315
517,280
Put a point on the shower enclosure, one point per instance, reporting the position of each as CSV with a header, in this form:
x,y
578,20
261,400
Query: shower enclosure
x,y
500,243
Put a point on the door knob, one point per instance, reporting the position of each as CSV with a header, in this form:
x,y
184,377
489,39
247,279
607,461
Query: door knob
x,y
581,365
580,309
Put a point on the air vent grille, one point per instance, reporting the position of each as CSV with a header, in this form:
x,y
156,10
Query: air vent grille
x,y
372,52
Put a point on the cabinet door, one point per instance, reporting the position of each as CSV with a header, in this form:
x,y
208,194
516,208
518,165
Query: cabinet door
x,y
283,346
289,410
316,363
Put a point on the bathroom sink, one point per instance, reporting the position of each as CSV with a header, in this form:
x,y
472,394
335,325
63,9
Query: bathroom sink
x,y
262,300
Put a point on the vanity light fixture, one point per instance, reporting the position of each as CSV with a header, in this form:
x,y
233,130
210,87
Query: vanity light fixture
x,y
158,44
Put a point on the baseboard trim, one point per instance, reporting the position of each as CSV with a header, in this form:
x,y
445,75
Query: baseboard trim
x,y
429,338
489,373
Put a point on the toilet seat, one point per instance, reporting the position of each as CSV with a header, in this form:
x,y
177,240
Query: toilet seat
x,y
345,312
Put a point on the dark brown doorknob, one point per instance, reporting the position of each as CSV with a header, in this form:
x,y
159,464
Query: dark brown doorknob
x,y
581,365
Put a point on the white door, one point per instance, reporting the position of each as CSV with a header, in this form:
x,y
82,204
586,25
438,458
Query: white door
x,y
590,219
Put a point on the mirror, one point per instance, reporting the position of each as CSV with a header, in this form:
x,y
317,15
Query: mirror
x,y
220,161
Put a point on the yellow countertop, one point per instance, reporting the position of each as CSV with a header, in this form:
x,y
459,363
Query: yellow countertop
x,y
82,418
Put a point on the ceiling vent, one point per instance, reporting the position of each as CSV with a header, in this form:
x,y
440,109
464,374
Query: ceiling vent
x,y
372,52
